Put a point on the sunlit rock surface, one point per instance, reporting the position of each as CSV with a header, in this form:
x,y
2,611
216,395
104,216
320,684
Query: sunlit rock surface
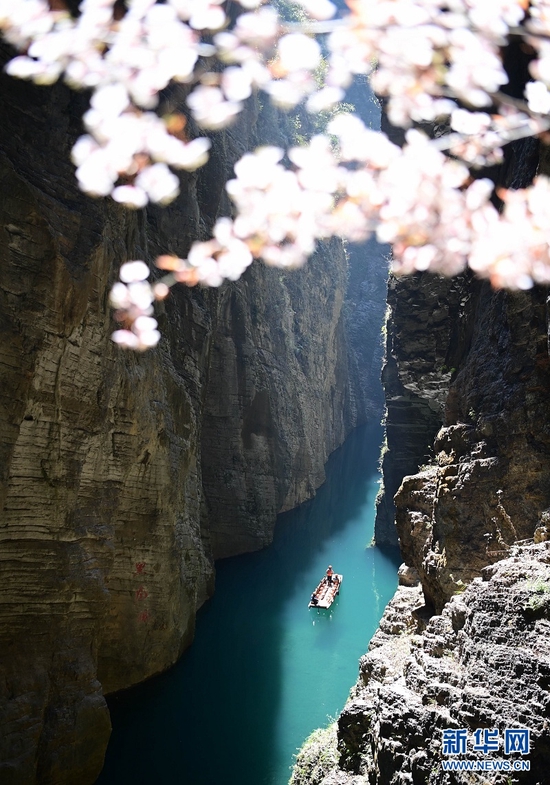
x,y
448,656
123,476
483,663
485,482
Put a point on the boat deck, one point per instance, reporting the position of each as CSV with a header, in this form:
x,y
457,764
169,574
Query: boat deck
x,y
326,592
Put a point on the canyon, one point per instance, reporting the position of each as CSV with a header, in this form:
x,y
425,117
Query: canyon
x,y
124,476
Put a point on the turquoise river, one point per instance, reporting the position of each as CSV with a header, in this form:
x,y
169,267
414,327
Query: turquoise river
x,y
264,671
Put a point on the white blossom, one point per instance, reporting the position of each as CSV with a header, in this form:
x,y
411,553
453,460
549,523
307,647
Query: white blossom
x,y
324,99
298,52
236,83
134,271
132,297
159,183
318,9
538,97
210,108
435,61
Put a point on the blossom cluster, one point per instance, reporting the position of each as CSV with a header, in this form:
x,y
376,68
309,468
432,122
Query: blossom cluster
x,y
127,59
418,199
433,61
126,62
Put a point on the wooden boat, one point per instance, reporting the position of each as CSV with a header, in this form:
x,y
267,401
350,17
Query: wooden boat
x,y
325,593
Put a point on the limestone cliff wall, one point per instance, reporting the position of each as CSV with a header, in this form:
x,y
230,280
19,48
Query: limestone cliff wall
x,y
428,332
466,475
467,646
466,379
123,476
284,405
490,484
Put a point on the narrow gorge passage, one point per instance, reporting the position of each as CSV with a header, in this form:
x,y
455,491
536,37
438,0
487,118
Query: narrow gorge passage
x,y
264,671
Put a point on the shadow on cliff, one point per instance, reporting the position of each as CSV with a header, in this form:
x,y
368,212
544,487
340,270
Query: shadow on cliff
x,y
215,716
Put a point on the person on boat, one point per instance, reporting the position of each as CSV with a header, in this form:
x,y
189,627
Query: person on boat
x,y
314,599
330,573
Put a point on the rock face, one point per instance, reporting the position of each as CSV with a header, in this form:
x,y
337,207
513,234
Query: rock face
x,y
123,476
491,485
483,663
466,475
480,425
282,404
474,402
428,325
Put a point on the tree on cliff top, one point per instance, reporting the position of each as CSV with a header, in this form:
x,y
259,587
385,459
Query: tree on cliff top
x,y
435,62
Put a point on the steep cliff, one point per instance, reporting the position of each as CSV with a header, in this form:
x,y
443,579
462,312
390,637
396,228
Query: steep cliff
x,y
466,380
490,485
466,476
284,403
123,476
428,331
481,661
473,363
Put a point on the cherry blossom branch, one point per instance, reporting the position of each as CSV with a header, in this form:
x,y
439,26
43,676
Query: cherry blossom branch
x,y
452,142
435,62
529,32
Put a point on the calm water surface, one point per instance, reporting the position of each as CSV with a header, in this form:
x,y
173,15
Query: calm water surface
x,y
265,671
